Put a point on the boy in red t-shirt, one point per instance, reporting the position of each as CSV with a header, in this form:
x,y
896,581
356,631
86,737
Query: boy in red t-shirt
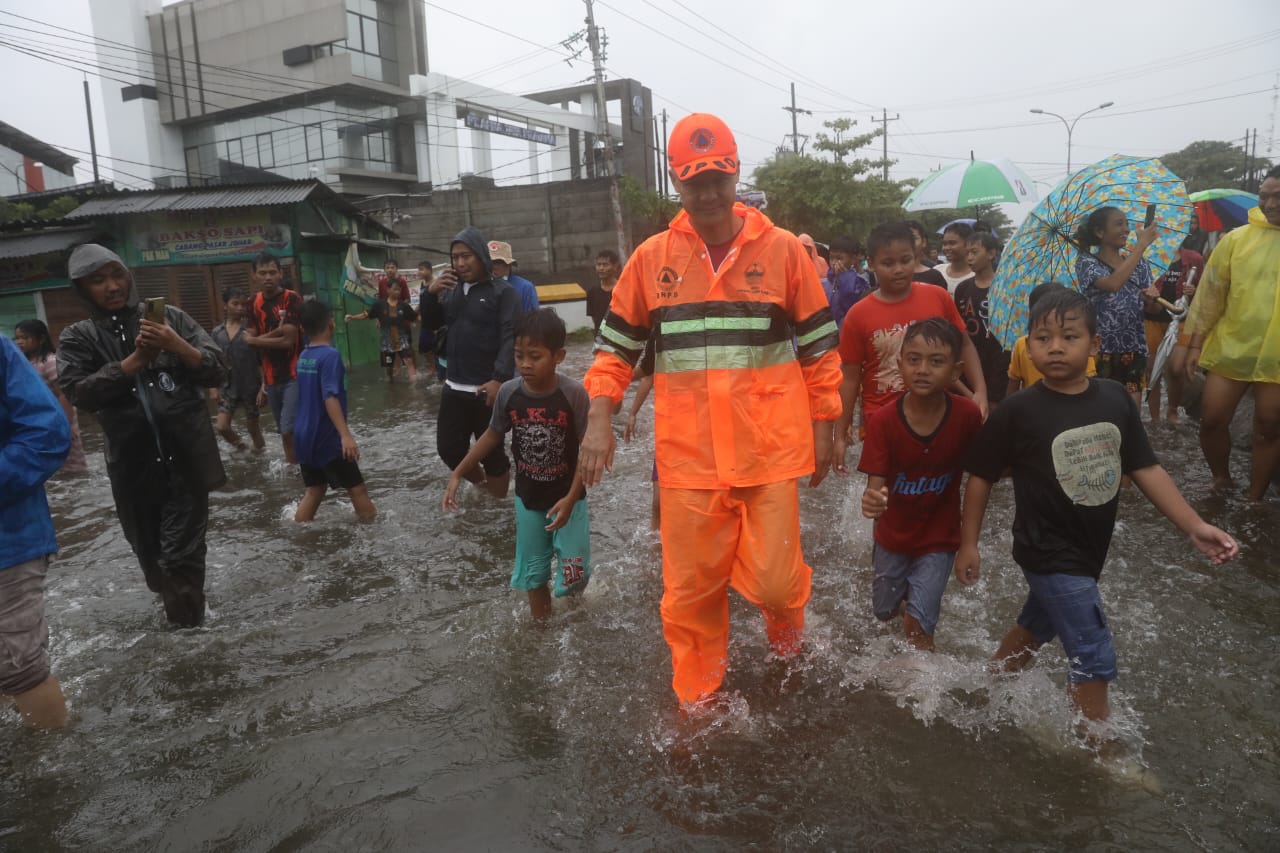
x,y
912,459
872,333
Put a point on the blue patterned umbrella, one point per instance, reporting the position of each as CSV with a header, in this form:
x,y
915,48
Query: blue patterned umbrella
x,y
1043,248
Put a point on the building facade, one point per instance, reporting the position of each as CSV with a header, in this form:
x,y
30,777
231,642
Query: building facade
x,y
189,244
28,165
340,91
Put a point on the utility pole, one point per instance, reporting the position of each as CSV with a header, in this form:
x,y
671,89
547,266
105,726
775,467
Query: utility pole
x,y
1254,177
794,110
884,120
602,129
93,146
666,186
1244,174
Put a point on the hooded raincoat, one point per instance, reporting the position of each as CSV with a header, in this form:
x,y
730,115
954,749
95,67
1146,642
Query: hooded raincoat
x,y
162,457
1237,306
481,321
480,348
745,362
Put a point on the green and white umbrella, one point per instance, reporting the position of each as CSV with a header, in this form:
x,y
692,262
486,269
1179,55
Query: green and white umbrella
x,y
971,184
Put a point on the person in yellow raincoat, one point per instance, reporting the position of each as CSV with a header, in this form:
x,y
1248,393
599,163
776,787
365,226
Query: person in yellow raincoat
x,y
1235,336
746,393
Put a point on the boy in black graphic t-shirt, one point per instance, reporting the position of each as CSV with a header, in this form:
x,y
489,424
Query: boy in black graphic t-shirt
x,y
546,414
1068,440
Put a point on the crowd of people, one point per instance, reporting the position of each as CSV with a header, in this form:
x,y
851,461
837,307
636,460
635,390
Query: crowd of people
x,y
766,361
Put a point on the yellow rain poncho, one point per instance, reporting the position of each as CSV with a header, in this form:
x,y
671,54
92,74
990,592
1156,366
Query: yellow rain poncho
x,y
1237,306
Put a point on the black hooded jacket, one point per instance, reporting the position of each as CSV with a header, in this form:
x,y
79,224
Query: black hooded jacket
x,y
480,344
89,356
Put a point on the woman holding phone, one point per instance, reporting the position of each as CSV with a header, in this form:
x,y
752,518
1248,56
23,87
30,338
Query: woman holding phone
x,y
1115,283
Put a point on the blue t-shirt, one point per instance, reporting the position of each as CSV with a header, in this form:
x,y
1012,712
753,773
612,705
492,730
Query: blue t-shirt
x,y
1120,317
320,376
528,292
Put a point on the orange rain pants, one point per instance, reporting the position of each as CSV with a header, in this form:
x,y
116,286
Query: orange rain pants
x,y
745,537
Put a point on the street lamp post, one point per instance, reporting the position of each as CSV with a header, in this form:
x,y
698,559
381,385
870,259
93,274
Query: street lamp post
x,y
16,177
1071,126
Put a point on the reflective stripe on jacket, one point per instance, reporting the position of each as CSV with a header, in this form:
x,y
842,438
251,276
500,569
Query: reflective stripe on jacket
x,y
746,356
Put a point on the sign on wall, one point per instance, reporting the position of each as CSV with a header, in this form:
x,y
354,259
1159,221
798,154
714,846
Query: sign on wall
x,y
208,237
528,134
34,272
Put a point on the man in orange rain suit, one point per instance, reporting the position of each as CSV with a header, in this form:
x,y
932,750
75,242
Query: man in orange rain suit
x,y
746,393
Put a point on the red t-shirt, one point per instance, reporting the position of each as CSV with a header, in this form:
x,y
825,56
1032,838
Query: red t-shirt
x,y
923,476
278,365
384,288
872,336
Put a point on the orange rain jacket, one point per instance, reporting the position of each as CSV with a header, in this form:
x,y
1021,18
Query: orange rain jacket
x,y
746,358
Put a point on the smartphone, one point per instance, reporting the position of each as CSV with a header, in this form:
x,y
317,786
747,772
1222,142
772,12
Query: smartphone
x,y
1151,215
154,310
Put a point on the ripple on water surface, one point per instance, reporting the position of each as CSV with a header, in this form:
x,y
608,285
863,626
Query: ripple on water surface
x,y
377,686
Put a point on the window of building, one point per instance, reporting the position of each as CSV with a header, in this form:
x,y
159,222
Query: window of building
x,y
377,146
371,40
266,156
315,142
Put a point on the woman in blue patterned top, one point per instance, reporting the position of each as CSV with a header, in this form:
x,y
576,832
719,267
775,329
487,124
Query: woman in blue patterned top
x,y
1115,284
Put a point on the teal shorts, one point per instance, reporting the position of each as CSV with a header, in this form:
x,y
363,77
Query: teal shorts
x,y
537,551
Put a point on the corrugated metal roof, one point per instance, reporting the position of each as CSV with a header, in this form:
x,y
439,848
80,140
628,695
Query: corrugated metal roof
x,y
195,198
25,143
26,244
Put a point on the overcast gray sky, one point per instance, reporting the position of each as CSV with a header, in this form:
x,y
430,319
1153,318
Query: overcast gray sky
x,y
961,76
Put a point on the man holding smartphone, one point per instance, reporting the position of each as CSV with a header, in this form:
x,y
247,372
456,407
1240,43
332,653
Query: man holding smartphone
x,y
480,313
145,381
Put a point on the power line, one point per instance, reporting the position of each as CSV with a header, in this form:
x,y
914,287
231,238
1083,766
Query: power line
x,y
105,63
757,53
1180,59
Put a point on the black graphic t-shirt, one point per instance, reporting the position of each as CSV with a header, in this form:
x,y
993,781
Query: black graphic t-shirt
x,y
546,430
1067,453
972,303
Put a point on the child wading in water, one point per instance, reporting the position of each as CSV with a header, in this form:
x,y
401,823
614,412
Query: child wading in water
x,y
327,452
245,377
912,462
1022,373
973,302
546,414
32,337
872,332
1068,440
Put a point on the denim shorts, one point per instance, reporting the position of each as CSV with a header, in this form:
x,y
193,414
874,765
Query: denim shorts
x,y
1070,607
566,552
920,580
284,405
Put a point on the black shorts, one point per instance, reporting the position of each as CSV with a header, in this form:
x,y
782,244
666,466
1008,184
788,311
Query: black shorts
x,y
464,416
340,474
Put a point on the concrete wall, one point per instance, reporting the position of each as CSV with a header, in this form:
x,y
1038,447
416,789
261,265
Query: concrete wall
x,y
246,35
554,229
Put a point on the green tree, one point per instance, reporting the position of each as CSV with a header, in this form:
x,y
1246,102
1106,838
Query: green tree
x,y
59,207
649,211
1210,164
826,198
839,146
15,212
830,198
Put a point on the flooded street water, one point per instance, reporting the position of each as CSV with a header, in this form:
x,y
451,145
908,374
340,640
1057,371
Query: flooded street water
x,y
378,687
